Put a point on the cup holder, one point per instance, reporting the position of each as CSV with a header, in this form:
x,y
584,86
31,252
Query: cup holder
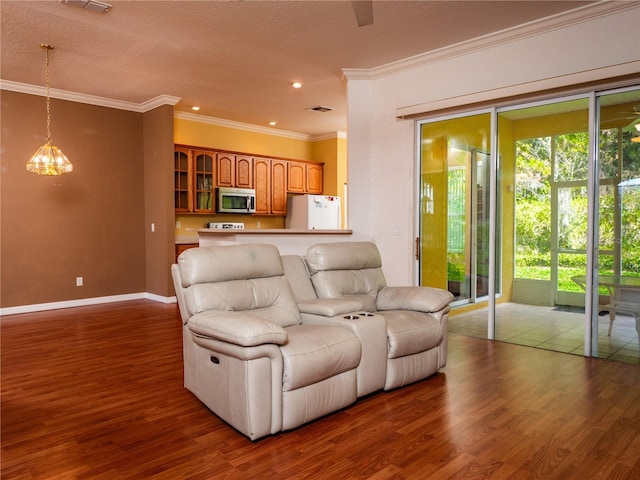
x,y
351,317
366,314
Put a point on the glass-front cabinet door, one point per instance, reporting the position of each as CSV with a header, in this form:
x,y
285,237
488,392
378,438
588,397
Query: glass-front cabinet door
x,y
181,180
194,181
203,181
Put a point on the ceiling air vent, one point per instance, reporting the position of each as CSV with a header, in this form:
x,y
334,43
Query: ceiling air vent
x,y
92,5
320,108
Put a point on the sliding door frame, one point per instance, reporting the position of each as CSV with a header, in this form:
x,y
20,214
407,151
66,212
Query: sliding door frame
x,y
593,186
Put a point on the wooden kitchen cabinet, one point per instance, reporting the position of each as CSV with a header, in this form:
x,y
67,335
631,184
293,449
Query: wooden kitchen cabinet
x,y
278,187
262,185
199,170
297,177
234,171
314,178
270,183
304,177
194,181
244,172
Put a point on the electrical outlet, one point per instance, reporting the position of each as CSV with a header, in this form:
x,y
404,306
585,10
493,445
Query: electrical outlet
x,y
178,224
395,230
79,281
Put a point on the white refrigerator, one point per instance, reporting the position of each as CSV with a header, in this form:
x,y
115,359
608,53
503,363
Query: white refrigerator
x,y
313,212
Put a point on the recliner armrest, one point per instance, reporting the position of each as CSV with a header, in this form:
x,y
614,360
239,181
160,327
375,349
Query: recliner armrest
x,y
420,299
239,328
329,307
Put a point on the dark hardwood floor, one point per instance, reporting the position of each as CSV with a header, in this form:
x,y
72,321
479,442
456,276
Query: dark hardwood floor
x,y
96,393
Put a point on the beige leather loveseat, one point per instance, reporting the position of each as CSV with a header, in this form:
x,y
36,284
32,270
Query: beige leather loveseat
x,y
273,342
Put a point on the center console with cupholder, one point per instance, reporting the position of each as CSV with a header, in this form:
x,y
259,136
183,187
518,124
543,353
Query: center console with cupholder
x,y
371,330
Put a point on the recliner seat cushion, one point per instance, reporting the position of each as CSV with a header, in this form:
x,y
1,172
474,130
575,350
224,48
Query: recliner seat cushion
x,y
410,332
316,352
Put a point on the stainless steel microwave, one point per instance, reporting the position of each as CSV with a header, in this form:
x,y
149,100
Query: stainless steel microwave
x,y
236,200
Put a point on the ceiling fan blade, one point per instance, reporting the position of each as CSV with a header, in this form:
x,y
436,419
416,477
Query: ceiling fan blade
x,y
364,11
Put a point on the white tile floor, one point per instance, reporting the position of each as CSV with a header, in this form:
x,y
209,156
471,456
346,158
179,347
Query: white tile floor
x,y
551,329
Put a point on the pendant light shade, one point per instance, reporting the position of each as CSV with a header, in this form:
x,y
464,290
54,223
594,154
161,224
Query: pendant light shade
x,y
49,159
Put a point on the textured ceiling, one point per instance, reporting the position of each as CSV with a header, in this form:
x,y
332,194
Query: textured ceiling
x,y
237,59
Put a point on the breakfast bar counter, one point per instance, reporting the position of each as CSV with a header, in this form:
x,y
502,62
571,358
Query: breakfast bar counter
x,y
288,241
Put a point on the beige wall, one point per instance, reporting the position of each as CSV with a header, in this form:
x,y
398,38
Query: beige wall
x,y
88,223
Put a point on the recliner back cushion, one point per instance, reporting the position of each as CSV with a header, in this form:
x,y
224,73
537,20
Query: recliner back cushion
x,y
347,269
238,278
343,256
233,262
360,285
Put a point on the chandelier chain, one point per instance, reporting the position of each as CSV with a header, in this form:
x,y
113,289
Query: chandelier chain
x,y
47,48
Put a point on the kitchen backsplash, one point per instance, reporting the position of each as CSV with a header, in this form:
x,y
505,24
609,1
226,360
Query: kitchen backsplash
x,y
188,225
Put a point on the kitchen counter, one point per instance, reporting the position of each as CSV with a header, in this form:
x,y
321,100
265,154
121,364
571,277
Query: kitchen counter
x,y
288,241
271,231
186,240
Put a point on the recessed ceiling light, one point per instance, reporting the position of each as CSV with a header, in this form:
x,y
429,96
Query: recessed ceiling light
x,y
273,123
195,108
296,85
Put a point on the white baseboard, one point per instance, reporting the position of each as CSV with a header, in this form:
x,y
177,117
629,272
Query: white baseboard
x,y
39,307
159,298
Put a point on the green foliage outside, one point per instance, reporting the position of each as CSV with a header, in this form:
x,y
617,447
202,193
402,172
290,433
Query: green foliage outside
x,y
455,267
542,164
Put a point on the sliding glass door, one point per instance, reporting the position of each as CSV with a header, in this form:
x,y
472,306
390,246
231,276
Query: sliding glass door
x,y
454,215
544,150
555,186
618,273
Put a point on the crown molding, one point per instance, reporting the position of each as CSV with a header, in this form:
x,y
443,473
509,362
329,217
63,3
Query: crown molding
x,y
221,122
554,22
159,102
155,103
329,136
622,75
89,99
